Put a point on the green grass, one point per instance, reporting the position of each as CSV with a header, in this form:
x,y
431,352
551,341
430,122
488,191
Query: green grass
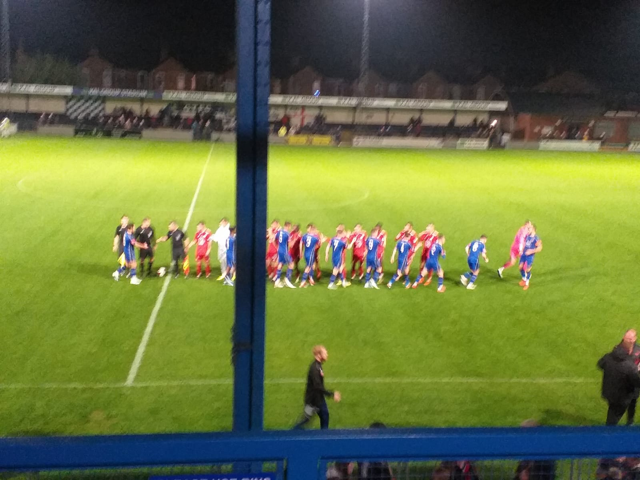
x,y
439,360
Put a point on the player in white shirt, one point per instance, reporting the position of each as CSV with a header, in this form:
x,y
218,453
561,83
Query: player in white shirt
x,y
220,237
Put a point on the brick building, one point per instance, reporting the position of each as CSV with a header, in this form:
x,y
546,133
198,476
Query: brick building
x,y
430,85
304,82
96,72
172,75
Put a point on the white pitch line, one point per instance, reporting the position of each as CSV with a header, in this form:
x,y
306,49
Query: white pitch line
x,y
295,381
137,361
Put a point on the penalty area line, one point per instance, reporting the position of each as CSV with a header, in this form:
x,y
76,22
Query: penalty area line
x,y
137,361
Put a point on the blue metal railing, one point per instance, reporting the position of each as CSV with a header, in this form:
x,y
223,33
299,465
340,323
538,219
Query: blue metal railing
x,y
303,452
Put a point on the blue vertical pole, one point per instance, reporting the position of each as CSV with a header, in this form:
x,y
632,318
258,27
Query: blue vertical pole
x,y
253,42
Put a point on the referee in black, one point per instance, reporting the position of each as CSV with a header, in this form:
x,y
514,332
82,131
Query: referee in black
x,y
315,393
146,234
178,246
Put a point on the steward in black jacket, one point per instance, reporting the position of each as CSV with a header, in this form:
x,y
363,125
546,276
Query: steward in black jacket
x,y
620,378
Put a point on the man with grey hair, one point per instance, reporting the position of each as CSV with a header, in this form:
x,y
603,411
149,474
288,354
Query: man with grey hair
x,y
220,237
620,380
629,343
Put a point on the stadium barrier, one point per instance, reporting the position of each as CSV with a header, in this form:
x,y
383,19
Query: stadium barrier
x,y
420,143
473,144
316,140
57,130
168,134
307,455
8,130
223,137
397,142
634,147
571,145
519,145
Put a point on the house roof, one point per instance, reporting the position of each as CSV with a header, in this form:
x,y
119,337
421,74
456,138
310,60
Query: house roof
x,y
431,75
568,82
556,104
170,64
94,59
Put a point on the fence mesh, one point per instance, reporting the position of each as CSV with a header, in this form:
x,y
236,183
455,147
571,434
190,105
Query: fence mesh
x,y
140,473
579,469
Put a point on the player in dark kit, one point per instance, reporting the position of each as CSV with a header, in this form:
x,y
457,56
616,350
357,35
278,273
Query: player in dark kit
x,y
178,246
315,393
146,235
118,247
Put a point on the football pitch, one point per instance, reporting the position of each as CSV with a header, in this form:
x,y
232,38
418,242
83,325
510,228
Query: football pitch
x,y
490,357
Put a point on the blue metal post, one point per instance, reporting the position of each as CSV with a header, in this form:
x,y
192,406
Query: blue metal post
x,y
253,39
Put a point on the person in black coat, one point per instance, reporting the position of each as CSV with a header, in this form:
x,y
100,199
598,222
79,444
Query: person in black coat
x,y
629,343
315,393
620,379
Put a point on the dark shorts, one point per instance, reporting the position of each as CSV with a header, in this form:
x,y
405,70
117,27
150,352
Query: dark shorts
x,y
146,253
177,255
120,250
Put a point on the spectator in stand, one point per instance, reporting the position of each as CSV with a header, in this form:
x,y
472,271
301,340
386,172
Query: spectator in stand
x,y
618,469
460,470
417,129
620,381
286,122
375,470
410,126
208,130
339,471
535,469
195,128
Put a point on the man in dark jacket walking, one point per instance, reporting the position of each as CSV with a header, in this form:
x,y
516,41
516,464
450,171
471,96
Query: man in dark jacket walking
x,y
315,393
620,378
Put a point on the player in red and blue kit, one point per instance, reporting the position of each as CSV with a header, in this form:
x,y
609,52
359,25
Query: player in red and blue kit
x,y
372,244
382,236
356,241
428,238
308,244
404,250
284,258
433,264
338,245
294,249
517,247
231,257
474,250
532,245
128,244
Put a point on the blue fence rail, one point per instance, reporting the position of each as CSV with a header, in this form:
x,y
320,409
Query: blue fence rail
x,y
304,452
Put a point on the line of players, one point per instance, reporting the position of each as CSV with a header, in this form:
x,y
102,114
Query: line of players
x,y
128,237
287,246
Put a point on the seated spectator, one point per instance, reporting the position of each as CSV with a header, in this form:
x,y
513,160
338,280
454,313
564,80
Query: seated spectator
x,y
460,470
375,470
535,469
339,471
611,469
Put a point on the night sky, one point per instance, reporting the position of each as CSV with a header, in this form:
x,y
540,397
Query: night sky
x,y
520,41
